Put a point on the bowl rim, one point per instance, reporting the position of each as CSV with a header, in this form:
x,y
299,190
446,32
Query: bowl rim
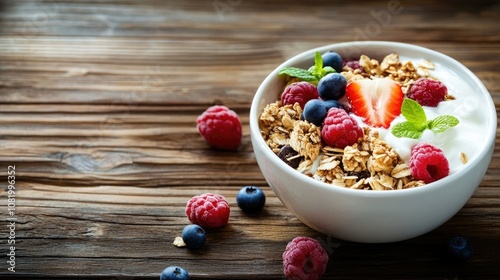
x,y
309,54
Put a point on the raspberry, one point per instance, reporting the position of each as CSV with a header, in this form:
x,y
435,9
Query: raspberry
x,y
428,163
208,210
300,92
428,92
339,129
352,63
220,127
304,259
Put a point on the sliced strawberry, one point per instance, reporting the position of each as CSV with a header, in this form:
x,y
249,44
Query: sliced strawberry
x,y
376,101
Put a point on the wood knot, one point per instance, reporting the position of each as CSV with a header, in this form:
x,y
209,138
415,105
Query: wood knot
x,y
99,162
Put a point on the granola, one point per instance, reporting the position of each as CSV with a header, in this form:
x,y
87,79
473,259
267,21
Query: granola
x,y
276,123
306,139
371,163
405,74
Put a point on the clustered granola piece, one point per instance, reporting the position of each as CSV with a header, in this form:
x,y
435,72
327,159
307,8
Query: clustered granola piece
x,y
353,74
277,123
369,164
281,125
405,74
306,139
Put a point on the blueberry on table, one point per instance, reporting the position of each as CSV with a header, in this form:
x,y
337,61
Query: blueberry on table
x,y
194,236
333,60
332,86
459,248
315,111
250,199
174,273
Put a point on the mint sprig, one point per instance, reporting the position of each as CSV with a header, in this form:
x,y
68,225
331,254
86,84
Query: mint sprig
x,y
416,121
313,74
302,74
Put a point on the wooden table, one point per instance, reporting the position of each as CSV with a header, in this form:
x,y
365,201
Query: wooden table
x,y
98,106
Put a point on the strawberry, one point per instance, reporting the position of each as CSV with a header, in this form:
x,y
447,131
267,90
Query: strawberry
x,y
376,101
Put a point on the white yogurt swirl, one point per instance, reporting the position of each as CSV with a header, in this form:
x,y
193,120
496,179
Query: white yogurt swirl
x,y
464,138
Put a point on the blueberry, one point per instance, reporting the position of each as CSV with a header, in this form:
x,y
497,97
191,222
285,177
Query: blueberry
x,y
174,273
333,104
251,199
315,111
333,60
194,236
332,86
459,248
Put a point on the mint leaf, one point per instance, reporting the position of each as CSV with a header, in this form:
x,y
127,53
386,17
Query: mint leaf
x,y
417,121
317,68
327,70
312,71
298,73
413,112
318,61
313,74
320,73
407,129
442,123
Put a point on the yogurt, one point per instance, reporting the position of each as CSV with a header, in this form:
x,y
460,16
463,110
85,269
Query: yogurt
x,y
462,138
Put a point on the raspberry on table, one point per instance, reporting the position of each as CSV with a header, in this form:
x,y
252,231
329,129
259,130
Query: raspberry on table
x,y
208,210
339,129
428,92
220,127
304,259
300,92
428,163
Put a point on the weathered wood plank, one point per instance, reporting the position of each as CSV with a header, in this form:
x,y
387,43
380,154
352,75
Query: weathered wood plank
x,y
84,230
98,104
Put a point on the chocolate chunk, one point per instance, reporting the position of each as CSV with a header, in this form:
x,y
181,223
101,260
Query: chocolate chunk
x,y
361,175
290,156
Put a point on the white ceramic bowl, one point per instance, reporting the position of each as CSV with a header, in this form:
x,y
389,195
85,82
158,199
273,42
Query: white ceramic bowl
x,y
374,216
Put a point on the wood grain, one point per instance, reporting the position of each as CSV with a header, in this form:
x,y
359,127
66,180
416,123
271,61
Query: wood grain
x,y
98,108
